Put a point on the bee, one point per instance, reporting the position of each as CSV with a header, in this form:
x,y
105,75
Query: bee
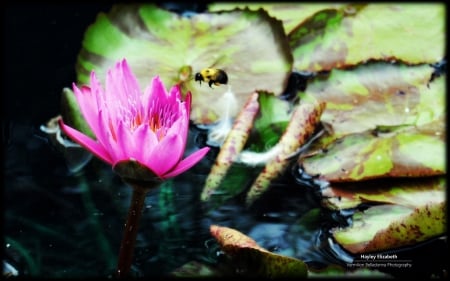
x,y
212,76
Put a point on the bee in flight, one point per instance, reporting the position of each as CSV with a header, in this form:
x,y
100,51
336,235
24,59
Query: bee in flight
x,y
212,76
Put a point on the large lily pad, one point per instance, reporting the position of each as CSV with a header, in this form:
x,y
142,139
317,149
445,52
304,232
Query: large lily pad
x,y
363,156
379,94
386,227
292,14
250,46
406,192
350,35
253,260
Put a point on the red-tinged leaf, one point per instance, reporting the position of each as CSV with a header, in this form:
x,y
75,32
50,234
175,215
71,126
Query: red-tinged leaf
x,y
253,260
232,146
304,120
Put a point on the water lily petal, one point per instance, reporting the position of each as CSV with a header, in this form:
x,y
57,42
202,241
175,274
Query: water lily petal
x,y
88,105
166,156
91,145
187,163
157,94
125,147
180,128
107,136
147,143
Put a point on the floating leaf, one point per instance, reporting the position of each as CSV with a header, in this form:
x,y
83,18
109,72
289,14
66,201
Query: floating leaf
x,y
350,35
292,14
253,260
408,153
405,192
386,227
378,94
158,42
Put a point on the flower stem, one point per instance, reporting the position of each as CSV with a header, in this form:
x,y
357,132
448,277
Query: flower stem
x,y
130,231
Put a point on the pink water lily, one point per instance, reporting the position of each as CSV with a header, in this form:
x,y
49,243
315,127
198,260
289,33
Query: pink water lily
x,y
149,128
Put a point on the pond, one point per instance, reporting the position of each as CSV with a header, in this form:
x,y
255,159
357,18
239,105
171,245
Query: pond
x,y
60,223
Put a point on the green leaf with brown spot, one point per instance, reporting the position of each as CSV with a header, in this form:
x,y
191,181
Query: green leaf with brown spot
x,y
378,94
405,153
386,227
253,260
402,191
158,42
292,14
356,33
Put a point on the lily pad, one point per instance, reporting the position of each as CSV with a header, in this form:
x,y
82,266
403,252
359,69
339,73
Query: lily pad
x,y
251,46
405,192
253,260
354,34
292,14
386,227
378,94
362,156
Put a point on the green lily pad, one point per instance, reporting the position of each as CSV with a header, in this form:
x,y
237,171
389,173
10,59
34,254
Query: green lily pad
x,y
405,192
250,46
353,34
386,227
363,156
253,260
378,94
292,14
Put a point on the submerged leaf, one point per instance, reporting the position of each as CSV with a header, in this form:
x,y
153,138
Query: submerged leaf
x,y
195,269
353,34
253,260
158,42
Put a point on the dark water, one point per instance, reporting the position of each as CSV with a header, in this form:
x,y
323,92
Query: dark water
x,y
63,224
